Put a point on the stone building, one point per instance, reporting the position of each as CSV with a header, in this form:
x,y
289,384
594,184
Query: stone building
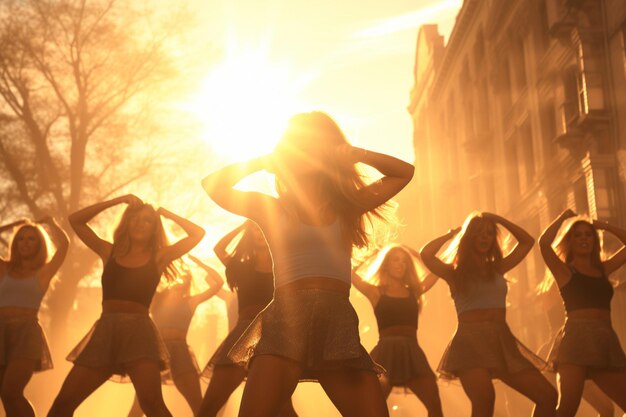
x,y
523,113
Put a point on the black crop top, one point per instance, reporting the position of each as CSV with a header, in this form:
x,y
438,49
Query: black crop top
x,y
396,311
253,287
136,284
583,291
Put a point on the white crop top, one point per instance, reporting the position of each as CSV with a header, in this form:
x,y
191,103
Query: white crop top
x,y
300,250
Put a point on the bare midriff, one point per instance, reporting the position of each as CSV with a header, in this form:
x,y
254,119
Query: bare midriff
x,y
486,314
18,312
318,283
123,306
170,333
590,313
400,330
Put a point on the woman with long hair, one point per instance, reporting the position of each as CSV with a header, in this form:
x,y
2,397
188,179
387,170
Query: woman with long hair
x,y
125,341
249,275
24,278
172,310
395,296
483,347
310,330
587,346
552,305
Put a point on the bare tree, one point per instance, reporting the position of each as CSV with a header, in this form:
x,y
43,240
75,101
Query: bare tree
x,y
80,82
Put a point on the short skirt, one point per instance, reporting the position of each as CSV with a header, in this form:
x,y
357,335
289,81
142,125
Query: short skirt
x,y
220,357
315,327
591,343
182,360
487,345
402,358
23,338
117,340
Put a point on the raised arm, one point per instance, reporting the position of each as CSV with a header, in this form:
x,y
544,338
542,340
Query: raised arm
x,y
396,175
220,247
79,219
365,288
524,244
428,282
61,242
559,269
220,187
430,259
10,226
618,258
6,227
213,278
194,235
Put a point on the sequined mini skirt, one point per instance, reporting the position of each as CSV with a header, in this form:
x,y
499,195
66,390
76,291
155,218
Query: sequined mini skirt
x,y
117,340
591,343
402,358
317,328
487,345
182,360
220,357
23,338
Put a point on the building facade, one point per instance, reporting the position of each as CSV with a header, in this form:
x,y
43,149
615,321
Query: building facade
x,y
521,113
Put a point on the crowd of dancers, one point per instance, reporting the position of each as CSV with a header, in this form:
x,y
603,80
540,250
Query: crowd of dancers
x,y
290,268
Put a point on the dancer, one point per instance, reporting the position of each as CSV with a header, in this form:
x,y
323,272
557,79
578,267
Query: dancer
x,y
483,347
396,299
125,341
310,330
249,274
24,279
548,294
587,346
172,311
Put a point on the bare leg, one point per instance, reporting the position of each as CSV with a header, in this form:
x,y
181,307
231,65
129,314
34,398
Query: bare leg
x,y
598,399
224,381
571,380
146,378
78,385
135,410
425,388
188,384
478,386
271,381
612,384
16,375
288,410
533,385
385,386
355,393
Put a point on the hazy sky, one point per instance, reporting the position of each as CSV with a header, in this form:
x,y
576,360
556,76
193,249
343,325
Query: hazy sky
x,y
350,58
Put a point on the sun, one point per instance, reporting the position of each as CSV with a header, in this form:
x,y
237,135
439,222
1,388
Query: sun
x,y
244,103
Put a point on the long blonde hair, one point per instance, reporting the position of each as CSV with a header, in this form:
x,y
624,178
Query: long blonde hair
x,y
15,259
314,136
562,243
461,253
158,240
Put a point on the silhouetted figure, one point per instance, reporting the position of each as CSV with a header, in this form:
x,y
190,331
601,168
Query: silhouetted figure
x,y
172,310
249,274
24,279
396,301
125,341
483,347
587,346
310,330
